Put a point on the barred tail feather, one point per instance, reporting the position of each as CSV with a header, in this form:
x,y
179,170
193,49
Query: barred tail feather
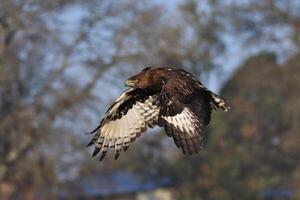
x,y
220,102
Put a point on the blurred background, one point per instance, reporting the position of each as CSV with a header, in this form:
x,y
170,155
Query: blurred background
x,y
63,62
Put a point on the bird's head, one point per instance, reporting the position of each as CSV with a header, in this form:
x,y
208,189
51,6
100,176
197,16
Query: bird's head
x,y
148,78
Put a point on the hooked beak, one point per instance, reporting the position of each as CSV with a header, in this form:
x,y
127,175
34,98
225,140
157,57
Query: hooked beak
x,y
130,83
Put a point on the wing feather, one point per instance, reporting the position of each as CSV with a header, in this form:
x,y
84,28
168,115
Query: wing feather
x,y
124,121
185,118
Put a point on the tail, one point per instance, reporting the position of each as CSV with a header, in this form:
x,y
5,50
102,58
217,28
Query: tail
x,y
220,102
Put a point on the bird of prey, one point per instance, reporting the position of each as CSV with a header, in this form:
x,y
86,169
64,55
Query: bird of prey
x,y
166,97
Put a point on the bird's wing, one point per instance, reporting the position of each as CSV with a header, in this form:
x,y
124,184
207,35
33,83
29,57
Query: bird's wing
x,y
185,117
124,121
216,99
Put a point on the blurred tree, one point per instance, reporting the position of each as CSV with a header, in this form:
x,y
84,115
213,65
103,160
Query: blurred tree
x,y
271,25
192,39
43,62
253,147
51,70
189,38
42,88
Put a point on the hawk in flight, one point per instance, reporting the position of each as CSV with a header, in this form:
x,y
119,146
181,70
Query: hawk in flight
x,y
167,97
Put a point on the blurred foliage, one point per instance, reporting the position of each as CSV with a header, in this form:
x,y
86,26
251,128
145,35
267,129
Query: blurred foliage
x,y
51,71
253,147
258,19
53,78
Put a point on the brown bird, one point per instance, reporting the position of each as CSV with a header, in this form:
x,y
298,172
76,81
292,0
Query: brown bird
x,y
167,97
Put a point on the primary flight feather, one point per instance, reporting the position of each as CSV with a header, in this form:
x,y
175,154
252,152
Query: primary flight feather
x,y
166,97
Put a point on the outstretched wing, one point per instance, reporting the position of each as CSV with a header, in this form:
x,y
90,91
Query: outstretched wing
x,y
124,121
185,117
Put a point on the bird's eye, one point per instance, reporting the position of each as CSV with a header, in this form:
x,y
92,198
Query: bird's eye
x,y
146,69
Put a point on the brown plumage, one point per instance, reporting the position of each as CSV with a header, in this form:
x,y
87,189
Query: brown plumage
x,y
167,97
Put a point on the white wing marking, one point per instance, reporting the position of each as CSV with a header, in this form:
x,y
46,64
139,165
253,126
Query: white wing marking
x,y
185,121
120,132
